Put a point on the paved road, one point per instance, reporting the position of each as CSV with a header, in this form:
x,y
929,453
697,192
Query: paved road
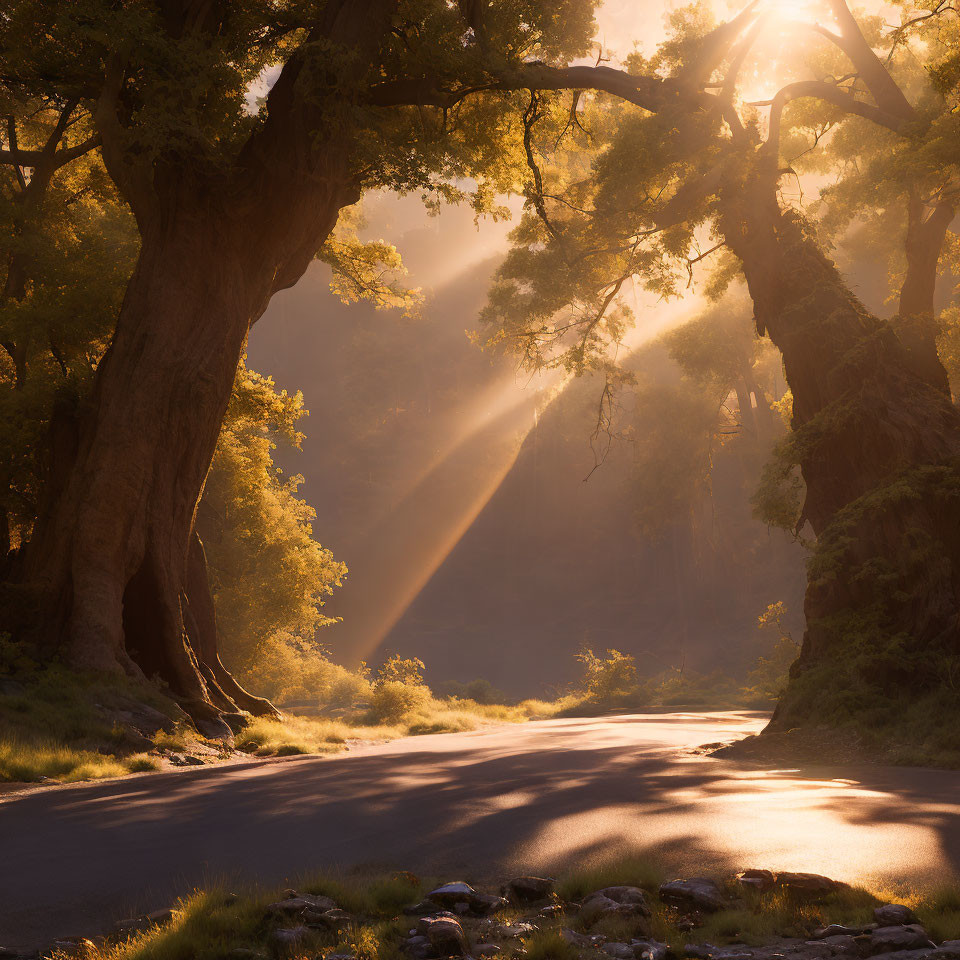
x,y
535,797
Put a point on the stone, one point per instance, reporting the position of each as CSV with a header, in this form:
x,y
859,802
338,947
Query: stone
x,y
910,936
698,892
245,953
187,760
597,906
335,919
450,893
530,889
78,947
627,896
949,949
445,934
700,951
838,930
160,916
614,901
487,950
796,950
131,925
300,904
422,908
289,938
892,914
926,954
418,946
650,950
840,942
759,880
808,950
550,911
513,931
619,951
807,884
579,939
487,903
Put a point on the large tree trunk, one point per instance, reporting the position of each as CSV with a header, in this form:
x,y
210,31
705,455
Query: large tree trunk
x,y
114,563
915,322
117,570
878,447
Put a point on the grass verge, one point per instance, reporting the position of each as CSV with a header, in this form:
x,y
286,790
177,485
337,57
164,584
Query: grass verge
x,y
60,726
216,924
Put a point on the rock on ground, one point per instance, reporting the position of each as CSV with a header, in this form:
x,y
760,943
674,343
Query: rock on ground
x,y
699,892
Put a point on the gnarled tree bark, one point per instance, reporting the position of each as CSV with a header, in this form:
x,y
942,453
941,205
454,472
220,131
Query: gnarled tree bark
x,y
915,322
879,448
114,563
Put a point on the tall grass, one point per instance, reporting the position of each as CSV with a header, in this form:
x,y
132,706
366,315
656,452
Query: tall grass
x,y
32,760
63,726
396,710
211,925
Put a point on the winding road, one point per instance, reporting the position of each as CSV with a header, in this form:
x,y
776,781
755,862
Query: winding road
x,y
534,797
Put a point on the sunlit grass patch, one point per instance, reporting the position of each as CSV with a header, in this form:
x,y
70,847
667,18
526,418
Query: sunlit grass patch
x,y
177,740
206,926
938,909
778,913
141,763
372,895
549,945
632,870
293,735
60,725
29,760
212,924
396,710
215,924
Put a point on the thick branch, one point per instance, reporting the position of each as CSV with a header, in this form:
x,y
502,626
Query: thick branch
x,y
30,158
651,93
829,93
16,156
714,47
884,89
135,182
924,242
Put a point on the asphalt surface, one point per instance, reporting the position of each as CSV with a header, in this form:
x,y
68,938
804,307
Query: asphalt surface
x,y
537,797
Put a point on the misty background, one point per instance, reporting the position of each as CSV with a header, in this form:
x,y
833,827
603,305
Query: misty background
x,y
455,487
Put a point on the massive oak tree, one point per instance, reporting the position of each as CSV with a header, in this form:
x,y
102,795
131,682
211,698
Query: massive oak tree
x,y
875,434
232,201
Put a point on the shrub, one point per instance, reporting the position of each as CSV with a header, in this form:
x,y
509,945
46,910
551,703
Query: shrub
x,y
392,700
400,670
291,670
479,691
607,680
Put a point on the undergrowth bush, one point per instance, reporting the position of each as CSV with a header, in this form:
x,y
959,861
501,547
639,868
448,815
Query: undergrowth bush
x,y
289,670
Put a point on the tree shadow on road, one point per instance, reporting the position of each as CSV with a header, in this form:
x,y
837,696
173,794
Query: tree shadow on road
x,y
476,813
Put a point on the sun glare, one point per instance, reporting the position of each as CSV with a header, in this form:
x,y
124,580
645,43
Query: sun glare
x,y
804,11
